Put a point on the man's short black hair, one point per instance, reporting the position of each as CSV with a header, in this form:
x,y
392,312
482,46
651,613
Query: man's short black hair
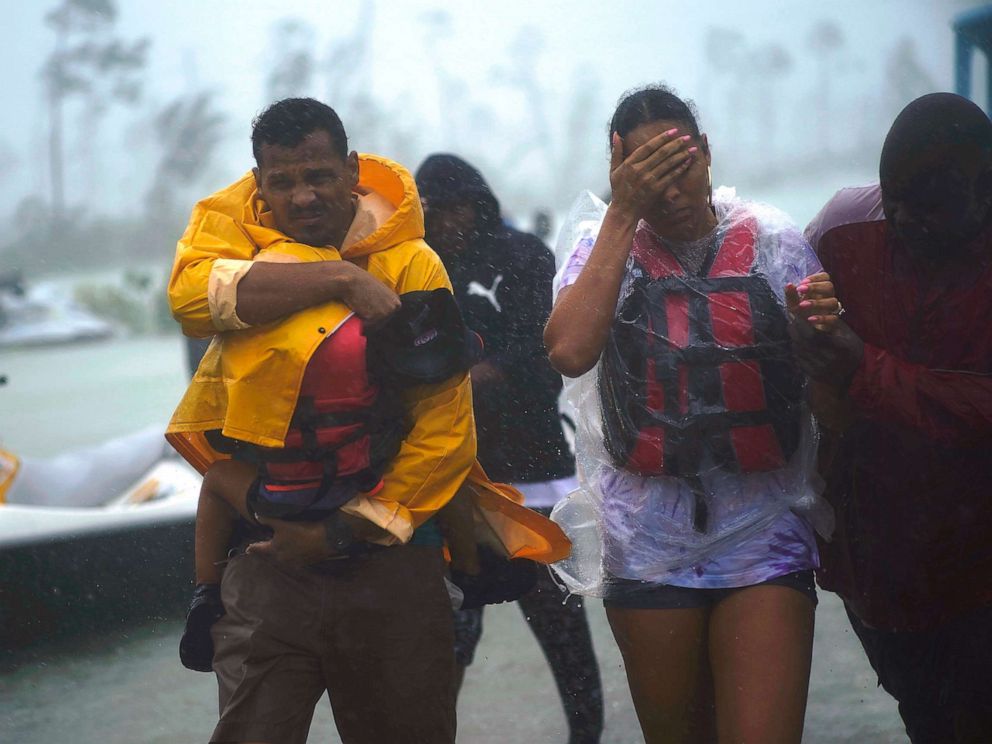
x,y
287,122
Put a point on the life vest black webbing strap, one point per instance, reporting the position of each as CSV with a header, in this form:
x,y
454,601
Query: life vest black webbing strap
x,y
307,414
704,424
700,507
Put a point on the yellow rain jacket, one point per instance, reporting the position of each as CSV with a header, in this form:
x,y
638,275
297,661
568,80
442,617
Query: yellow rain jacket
x,y
248,382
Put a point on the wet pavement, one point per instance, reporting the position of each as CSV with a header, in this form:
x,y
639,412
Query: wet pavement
x,y
124,685
127,687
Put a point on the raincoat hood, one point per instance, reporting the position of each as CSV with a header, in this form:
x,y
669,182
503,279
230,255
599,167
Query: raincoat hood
x,y
388,211
444,180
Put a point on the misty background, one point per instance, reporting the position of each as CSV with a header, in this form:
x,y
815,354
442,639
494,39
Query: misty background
x,y
122,113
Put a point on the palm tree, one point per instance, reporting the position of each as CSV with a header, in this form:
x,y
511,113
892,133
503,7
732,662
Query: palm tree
x,y
292,71
825,39
89,62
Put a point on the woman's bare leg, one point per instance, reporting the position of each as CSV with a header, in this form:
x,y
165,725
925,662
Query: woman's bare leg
x,y
664,652
760,648
223,496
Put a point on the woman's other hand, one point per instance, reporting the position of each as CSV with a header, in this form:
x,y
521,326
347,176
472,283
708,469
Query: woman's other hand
x,y
814,302
831,358
825,346
642,178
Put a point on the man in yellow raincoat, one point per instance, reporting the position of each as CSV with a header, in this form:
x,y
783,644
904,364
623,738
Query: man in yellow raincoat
x,y
266,264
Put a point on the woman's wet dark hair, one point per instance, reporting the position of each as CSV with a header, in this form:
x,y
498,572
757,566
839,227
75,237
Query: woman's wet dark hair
x,y
649,104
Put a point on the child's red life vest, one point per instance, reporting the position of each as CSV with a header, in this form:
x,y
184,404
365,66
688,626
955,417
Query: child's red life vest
x,y
350,418
697,371
344,432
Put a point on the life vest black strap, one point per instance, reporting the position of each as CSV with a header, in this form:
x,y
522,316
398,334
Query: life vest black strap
x,y
712,354
707,423
332,420
701,286
256,455
700,505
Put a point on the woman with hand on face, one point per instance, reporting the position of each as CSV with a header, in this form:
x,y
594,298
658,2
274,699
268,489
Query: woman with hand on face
x,y
695,446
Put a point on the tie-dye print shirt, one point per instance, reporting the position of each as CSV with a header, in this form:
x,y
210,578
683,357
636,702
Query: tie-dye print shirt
x,y
656,513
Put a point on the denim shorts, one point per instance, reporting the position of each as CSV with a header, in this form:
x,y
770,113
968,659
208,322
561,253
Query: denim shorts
x,y
643,595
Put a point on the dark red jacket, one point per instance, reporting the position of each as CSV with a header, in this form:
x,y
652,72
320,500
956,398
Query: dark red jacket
x,y
910,478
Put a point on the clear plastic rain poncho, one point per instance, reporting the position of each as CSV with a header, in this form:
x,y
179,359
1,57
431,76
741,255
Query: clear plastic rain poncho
x,y
692,431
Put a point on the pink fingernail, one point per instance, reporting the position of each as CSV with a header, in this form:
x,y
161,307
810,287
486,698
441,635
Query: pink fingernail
x,y
813,318
806,303
670,132
802,288
686,138
693,149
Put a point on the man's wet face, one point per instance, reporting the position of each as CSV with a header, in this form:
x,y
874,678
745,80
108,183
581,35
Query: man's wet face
x,y
309,189
935,204
449,228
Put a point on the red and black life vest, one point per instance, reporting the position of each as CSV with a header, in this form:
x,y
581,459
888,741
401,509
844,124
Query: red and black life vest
x,y
345,430
350,418
697,371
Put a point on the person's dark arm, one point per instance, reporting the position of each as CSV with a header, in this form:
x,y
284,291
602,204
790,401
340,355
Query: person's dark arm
x,y
271,291
217,255
953,408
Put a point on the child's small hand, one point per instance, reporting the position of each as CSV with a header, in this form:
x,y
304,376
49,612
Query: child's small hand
x,y
465,559
813,301
457,524
295,543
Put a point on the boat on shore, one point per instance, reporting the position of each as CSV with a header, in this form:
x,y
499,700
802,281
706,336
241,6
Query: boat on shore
x,y
36,317
95,536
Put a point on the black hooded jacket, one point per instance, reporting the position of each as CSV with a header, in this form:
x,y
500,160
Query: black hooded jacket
x,y
502,283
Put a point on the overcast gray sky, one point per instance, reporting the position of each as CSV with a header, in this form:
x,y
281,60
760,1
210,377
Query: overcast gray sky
x,y
226,45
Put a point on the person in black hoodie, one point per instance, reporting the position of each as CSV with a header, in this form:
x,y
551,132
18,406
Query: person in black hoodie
x,y
502,282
